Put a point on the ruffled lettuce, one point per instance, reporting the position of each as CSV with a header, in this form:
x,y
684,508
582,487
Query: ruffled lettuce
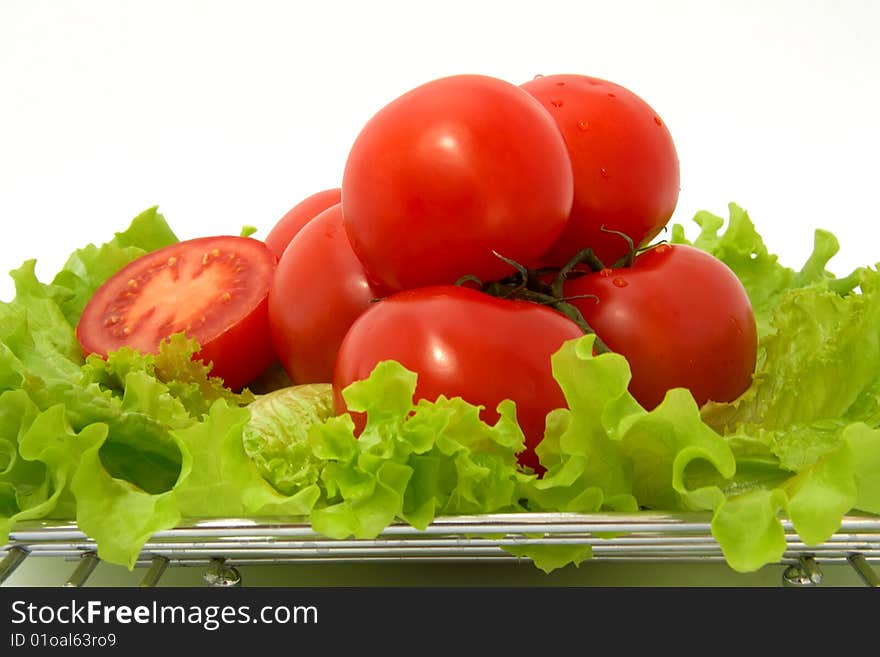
x,y
412,461
276,435
89,438
135,444
765,279
415,461
87,268
806,434
51,415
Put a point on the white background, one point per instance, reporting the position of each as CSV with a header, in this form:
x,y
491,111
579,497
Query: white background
x,y
228,113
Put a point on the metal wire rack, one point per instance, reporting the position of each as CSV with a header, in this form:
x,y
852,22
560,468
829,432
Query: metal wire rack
x,y
220,545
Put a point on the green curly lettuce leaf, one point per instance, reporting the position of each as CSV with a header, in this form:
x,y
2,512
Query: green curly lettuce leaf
x,y
606,451
93,438
87,268
815,478
805,434
134,444
276,435
221,480
765,279
413,460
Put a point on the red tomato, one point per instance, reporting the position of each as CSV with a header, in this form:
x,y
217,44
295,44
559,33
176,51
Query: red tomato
x,y
214,289
680,317
449,172
464,343
626,172
298,216
318,290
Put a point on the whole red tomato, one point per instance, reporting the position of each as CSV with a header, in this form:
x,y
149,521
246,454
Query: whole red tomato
x,y
318,290
298,216
450,172
681,318
626,171
462,342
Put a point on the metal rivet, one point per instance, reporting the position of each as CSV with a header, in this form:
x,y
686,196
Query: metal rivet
x,y
805,573
219,574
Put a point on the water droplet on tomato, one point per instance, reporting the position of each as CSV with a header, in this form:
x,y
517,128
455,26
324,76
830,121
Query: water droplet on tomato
x,y
560,84
611,95
657,120
583,125
538,76
661,248
619,282
604,173
556,103
605,273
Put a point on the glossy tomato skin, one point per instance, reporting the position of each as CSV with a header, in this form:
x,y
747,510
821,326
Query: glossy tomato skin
x,y
214,289
450,172
626,169
318,290
462,342
681,318
298,216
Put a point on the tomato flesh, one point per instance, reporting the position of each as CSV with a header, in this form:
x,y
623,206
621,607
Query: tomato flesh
x,y
464,343
213,289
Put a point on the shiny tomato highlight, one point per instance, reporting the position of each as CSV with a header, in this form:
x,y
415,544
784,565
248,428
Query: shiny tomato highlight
x,y
462,342
450,173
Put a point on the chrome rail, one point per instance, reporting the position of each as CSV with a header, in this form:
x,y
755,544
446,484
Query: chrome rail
x,y
222,544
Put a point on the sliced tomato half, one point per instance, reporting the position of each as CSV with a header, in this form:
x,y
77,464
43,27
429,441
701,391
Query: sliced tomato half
x,y
214,289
